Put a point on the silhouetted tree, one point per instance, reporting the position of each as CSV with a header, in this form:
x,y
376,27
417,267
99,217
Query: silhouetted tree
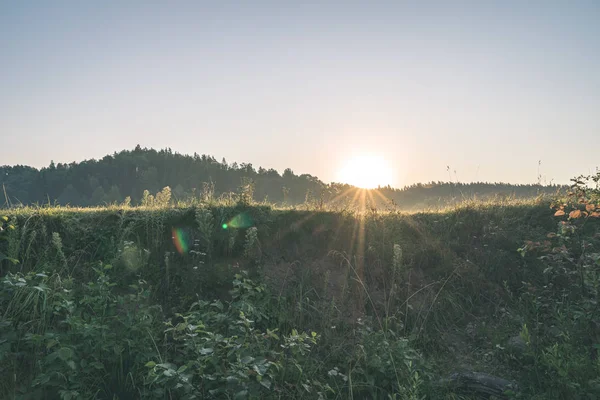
x,y
129,173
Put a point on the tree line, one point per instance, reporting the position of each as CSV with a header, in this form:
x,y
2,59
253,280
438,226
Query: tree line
x,y
129,173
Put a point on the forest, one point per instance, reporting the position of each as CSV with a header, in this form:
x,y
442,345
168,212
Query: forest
x,y
124,176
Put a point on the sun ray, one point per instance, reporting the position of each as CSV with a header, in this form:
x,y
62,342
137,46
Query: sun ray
x,y
372,202
342,195
355,198
281,234
353,238
381,196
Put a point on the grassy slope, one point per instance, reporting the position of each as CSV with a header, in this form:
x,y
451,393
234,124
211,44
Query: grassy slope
x,y
450,293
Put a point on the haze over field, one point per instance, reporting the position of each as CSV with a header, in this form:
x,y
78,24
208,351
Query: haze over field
x,y
486,89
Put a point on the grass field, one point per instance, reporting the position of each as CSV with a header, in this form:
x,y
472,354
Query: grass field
x,y
242,300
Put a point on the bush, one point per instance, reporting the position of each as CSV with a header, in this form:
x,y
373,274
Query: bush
x,y
76,342
561,305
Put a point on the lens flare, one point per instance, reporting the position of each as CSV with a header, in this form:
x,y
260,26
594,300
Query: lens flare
x,y
242,220
179,240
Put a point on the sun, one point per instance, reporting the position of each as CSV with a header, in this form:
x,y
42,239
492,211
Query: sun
x,y
366,171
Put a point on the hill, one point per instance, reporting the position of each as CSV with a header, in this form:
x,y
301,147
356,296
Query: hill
x,y
129,173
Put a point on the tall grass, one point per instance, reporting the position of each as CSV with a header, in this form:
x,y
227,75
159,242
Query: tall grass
x,y
396,300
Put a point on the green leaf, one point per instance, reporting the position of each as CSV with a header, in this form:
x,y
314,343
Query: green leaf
x,y
97,365
150,364
71,364
5,257
266,383
65,353
247,360
260,369
182,369
218,305
242,394
206,351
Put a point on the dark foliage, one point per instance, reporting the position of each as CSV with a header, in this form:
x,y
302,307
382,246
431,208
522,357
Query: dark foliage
x,y
128,173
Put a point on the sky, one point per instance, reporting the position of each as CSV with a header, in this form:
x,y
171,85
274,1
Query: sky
x,y
486,88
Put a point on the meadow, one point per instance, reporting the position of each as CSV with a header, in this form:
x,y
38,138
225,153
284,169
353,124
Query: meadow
x,y
238,300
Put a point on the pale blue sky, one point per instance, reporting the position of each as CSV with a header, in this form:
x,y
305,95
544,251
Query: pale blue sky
x,y
487,87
